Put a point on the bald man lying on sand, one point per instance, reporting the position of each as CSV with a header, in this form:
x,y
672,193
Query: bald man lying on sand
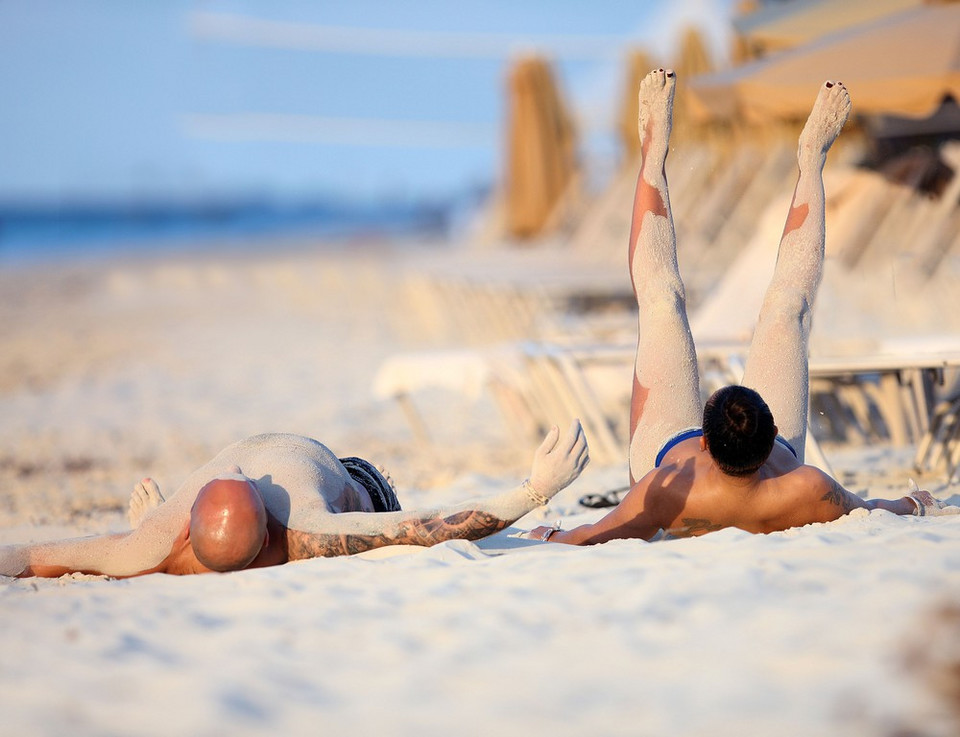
x,y
693,468
275,498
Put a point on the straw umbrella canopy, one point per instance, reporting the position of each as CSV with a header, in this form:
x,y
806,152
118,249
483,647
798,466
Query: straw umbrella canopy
x,y
540,148
692,60
779,26
904,64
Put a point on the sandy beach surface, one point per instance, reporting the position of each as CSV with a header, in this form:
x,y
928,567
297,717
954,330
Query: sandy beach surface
x,y
113,370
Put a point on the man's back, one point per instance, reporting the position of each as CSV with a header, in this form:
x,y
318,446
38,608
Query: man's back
x,y
691,496
687,495
294,474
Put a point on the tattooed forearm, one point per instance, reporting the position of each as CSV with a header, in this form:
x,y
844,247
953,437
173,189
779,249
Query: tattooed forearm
x,y
694,526
840,497
469,525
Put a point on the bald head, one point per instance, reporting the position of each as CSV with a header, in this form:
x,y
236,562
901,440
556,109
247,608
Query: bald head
x,y
228,523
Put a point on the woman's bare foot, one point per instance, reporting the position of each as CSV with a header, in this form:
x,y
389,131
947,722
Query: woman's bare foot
x,y
656,114
144,499
829,113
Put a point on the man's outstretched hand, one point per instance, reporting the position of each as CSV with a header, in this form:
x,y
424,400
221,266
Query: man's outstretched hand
x,y
929,506
559,460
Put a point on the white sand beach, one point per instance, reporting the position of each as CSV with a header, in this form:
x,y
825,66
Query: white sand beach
x,y
111,371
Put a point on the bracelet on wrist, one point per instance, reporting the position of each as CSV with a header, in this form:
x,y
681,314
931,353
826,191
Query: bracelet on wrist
x,y
916,502
535,496
549,531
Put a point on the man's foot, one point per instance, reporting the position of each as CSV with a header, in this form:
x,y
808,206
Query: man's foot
x,y
829,113
656,114
145,498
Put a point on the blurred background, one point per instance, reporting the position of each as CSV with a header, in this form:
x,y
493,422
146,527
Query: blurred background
x,y
128,122
476,162
400,227
142,120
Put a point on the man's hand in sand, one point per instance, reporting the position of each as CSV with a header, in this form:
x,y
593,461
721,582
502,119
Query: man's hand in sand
x,y
928,505
559,460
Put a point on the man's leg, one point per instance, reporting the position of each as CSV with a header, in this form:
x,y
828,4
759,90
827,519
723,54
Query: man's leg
x,y
146,496
777,364
666,382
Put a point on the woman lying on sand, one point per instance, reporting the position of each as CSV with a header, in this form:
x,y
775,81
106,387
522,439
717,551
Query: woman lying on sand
x,y
274,498
693,468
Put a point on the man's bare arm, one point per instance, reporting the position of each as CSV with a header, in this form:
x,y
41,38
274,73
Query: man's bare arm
x,y
557,462
838,501
639,515
426,529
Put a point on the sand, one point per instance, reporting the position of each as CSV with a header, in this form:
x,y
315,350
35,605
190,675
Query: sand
x,y
113,370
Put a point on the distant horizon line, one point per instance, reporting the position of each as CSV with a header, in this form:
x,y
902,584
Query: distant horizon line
x,y
166,202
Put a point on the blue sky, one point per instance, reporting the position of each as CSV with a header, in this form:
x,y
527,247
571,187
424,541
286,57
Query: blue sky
x,y
138,99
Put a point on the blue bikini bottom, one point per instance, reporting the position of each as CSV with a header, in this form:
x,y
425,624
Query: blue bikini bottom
x,y
697,432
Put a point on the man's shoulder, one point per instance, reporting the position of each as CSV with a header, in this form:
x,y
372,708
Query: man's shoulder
x,y
808,481
810,474
673,480
683,462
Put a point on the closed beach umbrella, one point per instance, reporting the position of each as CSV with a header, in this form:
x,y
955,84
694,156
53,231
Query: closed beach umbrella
x,y
540,148
903,64
692,60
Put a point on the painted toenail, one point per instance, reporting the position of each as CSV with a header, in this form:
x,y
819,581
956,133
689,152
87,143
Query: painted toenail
x,y
829,84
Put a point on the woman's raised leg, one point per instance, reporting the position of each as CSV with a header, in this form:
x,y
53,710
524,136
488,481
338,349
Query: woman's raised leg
x,y
777,365
666,382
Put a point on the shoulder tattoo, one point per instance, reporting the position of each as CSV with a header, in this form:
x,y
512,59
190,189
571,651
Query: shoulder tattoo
x,y
427,531
839,497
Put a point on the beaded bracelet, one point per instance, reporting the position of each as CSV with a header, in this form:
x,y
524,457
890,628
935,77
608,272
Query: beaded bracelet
x,y
535,496
921,511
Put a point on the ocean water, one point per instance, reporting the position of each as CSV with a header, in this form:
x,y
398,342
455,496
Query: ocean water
x,y
44,234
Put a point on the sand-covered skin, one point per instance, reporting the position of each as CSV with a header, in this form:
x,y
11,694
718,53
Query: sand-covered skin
x,y
111,373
